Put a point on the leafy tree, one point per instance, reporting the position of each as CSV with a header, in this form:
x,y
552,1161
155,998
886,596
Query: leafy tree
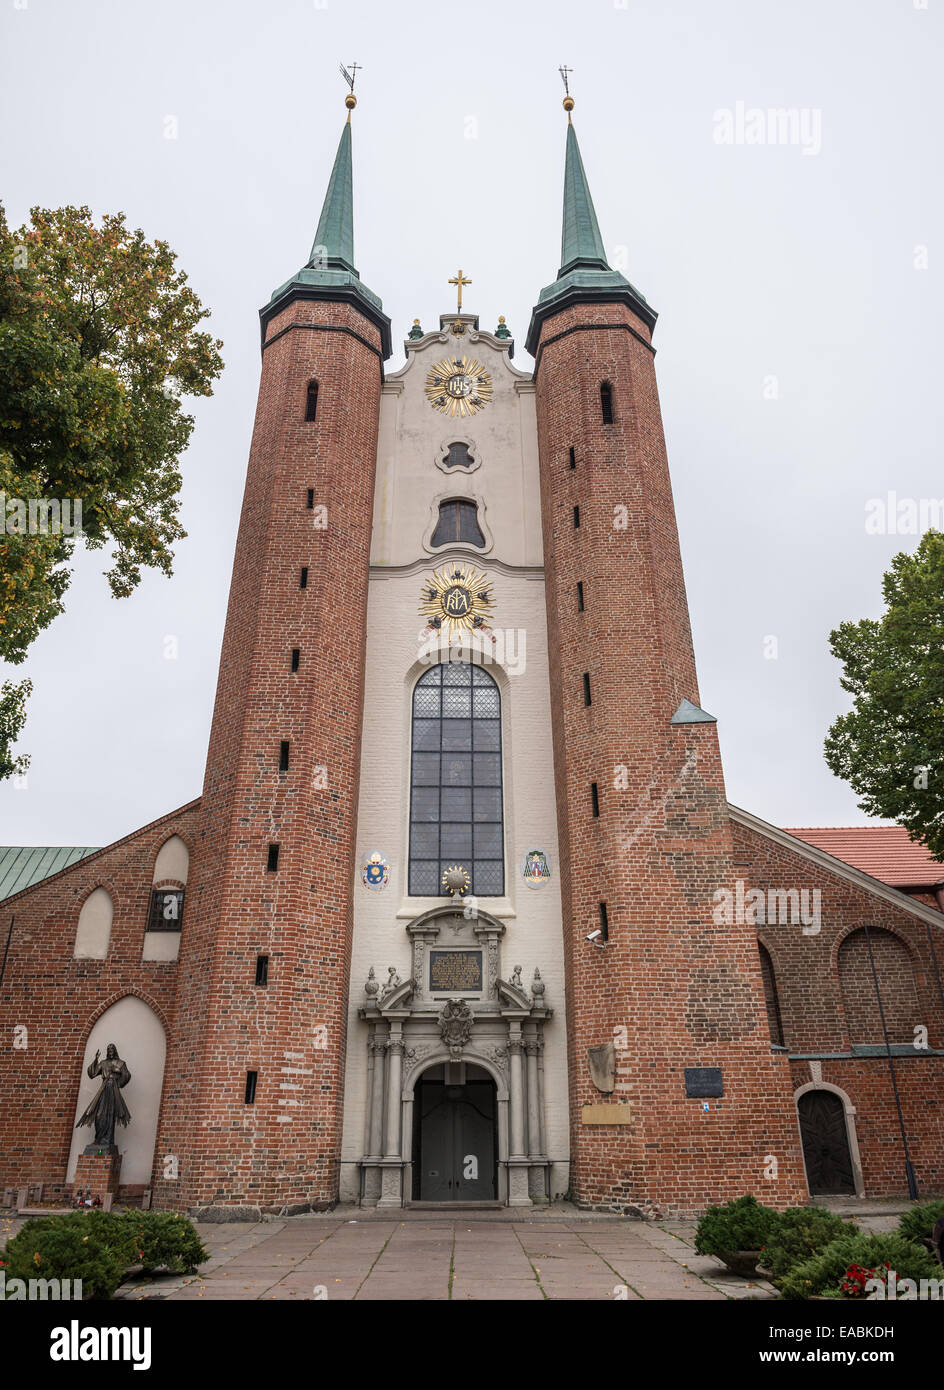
x,y
99,339
890,746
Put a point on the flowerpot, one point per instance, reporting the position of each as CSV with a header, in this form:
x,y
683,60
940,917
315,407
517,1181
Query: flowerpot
x,y
740,1261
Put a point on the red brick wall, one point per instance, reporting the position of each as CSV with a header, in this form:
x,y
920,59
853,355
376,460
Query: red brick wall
x,y
59,998
678,989
827,1002
285,1149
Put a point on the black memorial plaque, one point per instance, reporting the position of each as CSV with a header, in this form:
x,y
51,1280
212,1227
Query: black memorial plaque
x,y
455,970
703,1081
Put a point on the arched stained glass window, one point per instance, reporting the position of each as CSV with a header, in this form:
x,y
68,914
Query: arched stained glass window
x,y
456,781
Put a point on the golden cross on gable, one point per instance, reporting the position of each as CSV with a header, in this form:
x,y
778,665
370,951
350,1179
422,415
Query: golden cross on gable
x,y
459,281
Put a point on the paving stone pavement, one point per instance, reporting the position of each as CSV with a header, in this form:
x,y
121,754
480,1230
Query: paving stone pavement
x,y
553,1253
442,1257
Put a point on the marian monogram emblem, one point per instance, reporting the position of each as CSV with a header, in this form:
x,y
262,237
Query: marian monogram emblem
x,y
457,597
458,386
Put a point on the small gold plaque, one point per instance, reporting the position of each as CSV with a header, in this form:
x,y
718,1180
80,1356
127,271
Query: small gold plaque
x,y
605,1115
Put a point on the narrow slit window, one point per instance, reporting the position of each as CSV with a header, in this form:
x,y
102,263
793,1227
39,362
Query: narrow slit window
x,y
586,688
303,581
595,798
579,595
251,1078
311,402
272,863
296,657
606,403
604,922
262,971
310,503
283,755
576,517
573,457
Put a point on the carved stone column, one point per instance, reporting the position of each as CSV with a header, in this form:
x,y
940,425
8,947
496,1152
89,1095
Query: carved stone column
x,y
517,1158
392,1163
536,1173
377,1050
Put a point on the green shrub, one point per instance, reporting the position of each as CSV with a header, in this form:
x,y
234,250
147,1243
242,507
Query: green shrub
x,y
918,1222
824,1273
162,1239
90,1246
739,1225
800,1233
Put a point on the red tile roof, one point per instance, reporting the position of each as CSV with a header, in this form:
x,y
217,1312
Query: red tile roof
x,y
884,851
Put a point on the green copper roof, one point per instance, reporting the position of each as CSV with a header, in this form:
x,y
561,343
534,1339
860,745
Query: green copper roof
x,y
21,867
584,273
330,272
334,239
581,242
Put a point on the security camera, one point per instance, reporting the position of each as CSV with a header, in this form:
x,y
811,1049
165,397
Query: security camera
x,y
592,936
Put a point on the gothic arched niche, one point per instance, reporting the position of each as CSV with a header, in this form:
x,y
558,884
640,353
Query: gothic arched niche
x,y
895,981
172,862
771,997
138,1034
93,932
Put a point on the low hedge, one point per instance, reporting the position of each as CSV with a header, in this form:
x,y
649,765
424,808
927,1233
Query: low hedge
x,y
800,1233
743,1224
164,1240
90,1246
824,1274
918,1222
100,1248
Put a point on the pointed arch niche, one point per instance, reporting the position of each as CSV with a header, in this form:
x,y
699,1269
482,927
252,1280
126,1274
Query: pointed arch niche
x,y
138,1034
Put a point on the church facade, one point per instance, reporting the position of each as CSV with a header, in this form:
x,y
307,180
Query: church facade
x,y
463,914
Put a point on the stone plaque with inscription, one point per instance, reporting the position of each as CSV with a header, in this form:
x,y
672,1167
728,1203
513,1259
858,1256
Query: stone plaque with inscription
x,y
455,970
703,1081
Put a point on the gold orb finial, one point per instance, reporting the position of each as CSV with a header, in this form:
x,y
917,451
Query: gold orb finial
x,y
568,104
350,101
501,318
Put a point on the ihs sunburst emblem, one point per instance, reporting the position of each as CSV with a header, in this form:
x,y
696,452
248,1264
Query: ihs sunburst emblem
x,y
457,597
457,386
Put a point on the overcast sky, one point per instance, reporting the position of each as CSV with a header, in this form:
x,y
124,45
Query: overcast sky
x,y
784,270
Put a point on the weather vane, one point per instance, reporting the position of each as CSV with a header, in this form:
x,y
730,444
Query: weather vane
x,y
350,75
565,72
350,101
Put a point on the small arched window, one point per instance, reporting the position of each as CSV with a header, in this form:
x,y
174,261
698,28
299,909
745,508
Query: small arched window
x,y
458,521
606,403
311,401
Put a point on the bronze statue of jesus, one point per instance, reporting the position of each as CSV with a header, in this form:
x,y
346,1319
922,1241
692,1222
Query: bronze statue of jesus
x,y
108,1108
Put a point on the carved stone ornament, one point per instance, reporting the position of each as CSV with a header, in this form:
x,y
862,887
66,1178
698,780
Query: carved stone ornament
x,y
603,1067
455,1026
372,987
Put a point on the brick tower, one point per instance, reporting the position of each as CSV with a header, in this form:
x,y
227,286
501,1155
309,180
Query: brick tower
x,y
644,832
275,858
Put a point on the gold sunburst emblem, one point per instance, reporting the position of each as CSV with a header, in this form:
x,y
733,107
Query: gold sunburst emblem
x,y
457,386
456,880
457,597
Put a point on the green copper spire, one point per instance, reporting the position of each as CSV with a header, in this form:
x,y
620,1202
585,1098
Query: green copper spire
x,y
334,239
329,272
581,243
585,275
